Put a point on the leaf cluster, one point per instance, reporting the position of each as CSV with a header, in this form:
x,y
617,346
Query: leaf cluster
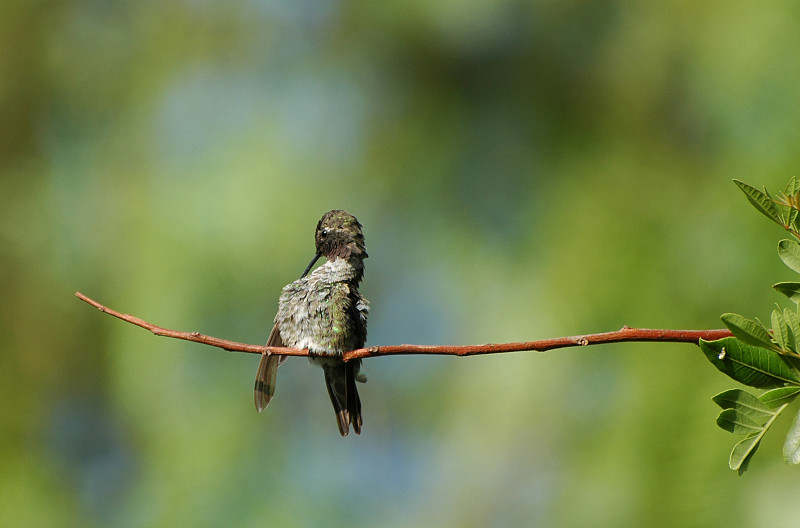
x,y
783,210
762,357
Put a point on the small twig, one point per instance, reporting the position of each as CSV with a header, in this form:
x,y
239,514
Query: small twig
x,y
197,337
624,334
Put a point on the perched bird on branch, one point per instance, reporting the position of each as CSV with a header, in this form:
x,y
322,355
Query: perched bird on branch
x,y
325,313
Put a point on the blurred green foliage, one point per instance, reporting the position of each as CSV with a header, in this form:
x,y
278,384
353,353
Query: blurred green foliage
x,y
522,170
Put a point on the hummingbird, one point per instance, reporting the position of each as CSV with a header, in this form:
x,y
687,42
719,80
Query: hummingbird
x,y
325,313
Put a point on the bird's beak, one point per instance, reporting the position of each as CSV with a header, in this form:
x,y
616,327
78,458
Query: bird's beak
x,y
311,264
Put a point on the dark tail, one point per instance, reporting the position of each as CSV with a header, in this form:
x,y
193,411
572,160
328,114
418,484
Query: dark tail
x,y
340,378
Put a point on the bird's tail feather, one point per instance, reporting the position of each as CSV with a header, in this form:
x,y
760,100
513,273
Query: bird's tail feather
x,y
340,380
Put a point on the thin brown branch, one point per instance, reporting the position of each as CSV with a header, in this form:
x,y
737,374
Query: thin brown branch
x,y
624,334
197,337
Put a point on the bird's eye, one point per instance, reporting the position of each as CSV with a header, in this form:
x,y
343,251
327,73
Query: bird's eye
x,y
324,233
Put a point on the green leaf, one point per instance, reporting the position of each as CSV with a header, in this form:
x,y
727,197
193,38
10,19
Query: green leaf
x,y
753,366
794,328
737,423
779,329
743,451
748,331
792,186
789,289
790,192
791,447
762,202
792,217
744,403
789,252
775,398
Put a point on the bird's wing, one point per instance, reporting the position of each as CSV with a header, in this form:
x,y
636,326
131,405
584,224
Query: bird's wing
x,y
267,370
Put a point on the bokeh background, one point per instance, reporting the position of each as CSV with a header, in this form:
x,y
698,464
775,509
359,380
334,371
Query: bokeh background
x,y
523,170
